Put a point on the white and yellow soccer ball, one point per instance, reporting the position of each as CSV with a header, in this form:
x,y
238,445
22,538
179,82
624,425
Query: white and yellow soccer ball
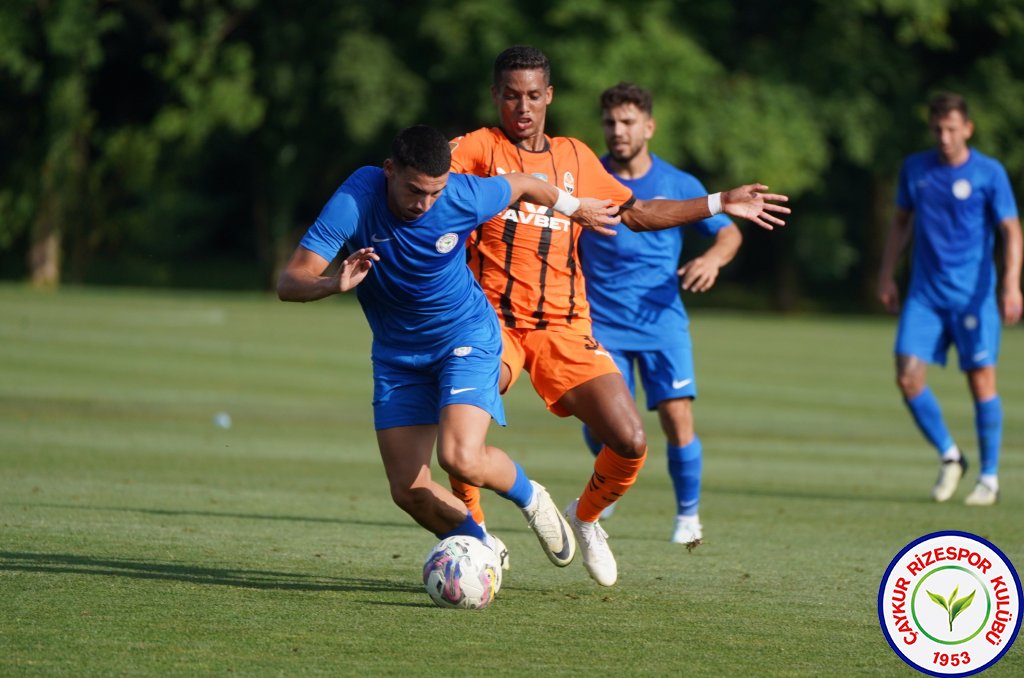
x,y
462,572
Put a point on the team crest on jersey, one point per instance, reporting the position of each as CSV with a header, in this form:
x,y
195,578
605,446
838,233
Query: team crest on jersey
x,y
569,182
462,351
446,243
962,189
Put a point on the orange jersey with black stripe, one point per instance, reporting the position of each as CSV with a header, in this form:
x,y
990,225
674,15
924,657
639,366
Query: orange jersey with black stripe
x,y
526,258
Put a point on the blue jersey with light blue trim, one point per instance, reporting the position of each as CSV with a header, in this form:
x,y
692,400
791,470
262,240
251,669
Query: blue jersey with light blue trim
x,y
956,214
421,293
632,284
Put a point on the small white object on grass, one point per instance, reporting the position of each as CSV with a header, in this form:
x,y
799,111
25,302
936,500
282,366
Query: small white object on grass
x,y
222,420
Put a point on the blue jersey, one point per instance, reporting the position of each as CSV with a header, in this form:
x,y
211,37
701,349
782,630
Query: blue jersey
x,y
956,212
631,277
420,294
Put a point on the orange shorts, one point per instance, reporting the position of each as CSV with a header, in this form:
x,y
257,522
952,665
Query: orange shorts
x,y
557,360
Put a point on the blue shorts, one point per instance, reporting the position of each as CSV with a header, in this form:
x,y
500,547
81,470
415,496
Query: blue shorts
x,y
411,389
926,333
666,374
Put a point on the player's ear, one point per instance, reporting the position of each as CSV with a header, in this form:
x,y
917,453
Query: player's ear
x,y
389,168
649,129
549,94
969,128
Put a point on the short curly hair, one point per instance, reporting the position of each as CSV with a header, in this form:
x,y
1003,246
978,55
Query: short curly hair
x,y
521,58
627,93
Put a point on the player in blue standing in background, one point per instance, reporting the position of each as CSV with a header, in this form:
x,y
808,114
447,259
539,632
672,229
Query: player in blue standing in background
x,y
436,349
633,288
953,200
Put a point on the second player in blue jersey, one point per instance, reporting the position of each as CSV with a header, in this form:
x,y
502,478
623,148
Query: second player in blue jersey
x,y
633,282
954,201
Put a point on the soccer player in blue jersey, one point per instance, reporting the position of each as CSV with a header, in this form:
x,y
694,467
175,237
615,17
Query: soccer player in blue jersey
x,y
436,349
633,288
954,201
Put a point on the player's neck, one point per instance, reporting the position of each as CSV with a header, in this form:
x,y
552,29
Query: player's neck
x,y
634,168
534,144
958,158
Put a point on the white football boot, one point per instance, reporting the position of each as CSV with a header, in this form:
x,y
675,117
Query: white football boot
x,y
593,541
982,495
688,531
950,473
551,528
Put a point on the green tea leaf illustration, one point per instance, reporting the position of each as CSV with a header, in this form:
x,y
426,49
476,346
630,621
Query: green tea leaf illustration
x,y
959,606
938,599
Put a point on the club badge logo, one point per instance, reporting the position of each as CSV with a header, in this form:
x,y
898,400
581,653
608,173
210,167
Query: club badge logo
x,y
446,243
949,604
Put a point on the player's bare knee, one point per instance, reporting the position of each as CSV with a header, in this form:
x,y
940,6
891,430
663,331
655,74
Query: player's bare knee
x,y
412,500
910,376
465,467
630,444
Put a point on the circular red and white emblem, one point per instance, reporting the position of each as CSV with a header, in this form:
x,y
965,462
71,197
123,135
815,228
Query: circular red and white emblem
x,y
949,604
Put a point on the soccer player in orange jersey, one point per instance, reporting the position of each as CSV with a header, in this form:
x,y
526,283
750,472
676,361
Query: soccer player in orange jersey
x,y
527,263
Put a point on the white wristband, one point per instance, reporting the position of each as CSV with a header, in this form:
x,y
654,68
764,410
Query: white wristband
x,y
715,203
566,204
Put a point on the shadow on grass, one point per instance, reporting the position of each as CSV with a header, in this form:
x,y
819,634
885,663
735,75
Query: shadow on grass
x,y
817,494
66,563
225,514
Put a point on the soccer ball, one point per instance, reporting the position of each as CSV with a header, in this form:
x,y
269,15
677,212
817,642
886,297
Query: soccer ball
x,y
462,572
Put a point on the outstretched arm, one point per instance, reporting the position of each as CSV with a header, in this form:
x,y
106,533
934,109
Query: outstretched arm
x,y
748,202
303,280
699,274
895,242
592,214
1011,300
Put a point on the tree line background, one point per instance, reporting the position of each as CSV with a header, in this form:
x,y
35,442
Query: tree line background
x,y
190,143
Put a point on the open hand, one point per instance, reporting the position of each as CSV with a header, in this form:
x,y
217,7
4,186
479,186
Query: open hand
x,y
750,202
355,267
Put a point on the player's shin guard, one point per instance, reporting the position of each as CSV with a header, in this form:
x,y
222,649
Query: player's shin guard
x,y
613,475
928,416
988,422
468,495
684,467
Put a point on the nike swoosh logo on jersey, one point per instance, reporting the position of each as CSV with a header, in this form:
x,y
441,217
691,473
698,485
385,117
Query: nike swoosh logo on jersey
x,y
374,238
599,352
457,391
980,356
679,383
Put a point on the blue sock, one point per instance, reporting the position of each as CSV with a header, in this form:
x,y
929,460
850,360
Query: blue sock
x,y
684,467
521,491
468,528
593,443
988,422
928,416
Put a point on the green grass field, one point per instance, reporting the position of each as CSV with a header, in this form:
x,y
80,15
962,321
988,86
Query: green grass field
x,y
136,537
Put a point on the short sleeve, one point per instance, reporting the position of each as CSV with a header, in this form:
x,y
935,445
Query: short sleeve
x,y
486,197
469,153
339,217
1004,205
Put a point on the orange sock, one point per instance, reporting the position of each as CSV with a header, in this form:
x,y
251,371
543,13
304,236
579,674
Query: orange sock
x,y
468,495
613,475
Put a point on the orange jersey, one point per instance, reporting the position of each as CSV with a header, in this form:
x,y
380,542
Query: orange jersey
x,y
526,258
